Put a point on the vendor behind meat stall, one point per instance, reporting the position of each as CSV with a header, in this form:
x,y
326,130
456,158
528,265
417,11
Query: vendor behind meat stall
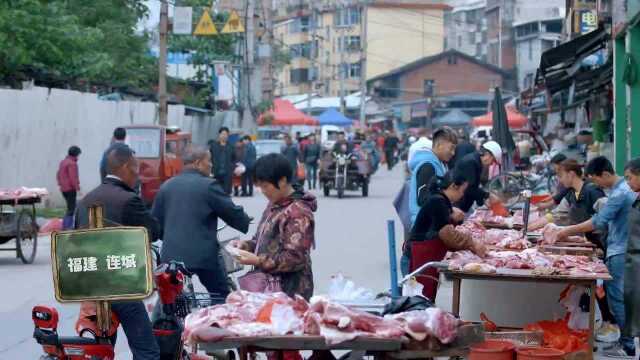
x,y
433,233
561,190
581,197
581,200
471,167
614,216
632,261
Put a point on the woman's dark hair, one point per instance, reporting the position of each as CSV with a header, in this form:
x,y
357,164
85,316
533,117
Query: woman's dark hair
x,y
271,168
558,158
74,151
247,137
572,165
441,183
599,165
224,128
633,166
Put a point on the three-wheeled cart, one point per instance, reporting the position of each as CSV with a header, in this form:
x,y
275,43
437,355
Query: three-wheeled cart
x,y
18,221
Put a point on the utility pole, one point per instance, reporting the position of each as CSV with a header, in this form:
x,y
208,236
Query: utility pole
x,y
342,70
312,55
500,35
247,118
162,64
363,66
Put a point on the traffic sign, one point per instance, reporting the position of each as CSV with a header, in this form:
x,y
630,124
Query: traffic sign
x,y
205,25
101,264
233,25
182,20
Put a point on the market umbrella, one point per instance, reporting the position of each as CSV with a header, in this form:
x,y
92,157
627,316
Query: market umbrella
x,y
334,117
501,133
284,113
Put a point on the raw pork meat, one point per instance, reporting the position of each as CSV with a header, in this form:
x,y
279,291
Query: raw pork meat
x,y
325,317
250,314
429,322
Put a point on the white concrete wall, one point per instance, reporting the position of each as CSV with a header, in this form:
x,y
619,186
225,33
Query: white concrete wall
x,y
38,125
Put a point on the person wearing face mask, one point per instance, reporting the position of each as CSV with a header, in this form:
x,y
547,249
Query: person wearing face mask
x,y
433,233
123,207
188,207
472,166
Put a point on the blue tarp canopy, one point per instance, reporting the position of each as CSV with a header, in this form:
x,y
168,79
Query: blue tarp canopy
x,y
334,117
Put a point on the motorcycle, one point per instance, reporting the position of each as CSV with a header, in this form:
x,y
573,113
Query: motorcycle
x,y
176,299
342,172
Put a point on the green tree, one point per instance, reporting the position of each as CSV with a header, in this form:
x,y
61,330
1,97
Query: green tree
x,y
78,41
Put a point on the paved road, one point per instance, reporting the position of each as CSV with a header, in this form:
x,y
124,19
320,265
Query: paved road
x,y
350,238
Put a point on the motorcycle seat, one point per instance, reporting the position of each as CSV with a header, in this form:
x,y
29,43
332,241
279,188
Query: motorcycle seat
x,y
76,340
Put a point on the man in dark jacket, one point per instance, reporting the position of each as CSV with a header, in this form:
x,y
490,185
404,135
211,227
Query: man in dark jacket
x,y
249,162
188,207
122,206
311,156
292,153
390,148
463,148
222,157
471,166
119,134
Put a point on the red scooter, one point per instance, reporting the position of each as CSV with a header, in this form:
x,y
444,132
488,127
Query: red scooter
x,y
174,304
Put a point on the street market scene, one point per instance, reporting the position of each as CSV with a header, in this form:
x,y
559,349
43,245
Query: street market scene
x,y
320,179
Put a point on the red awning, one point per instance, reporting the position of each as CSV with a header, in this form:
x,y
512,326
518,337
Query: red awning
x,y
516,119
284,113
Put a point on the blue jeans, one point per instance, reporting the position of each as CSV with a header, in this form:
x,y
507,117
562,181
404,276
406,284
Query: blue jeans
x,y
135,322
615,295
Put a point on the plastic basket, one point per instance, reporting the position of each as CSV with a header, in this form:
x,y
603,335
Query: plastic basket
x,y
518,337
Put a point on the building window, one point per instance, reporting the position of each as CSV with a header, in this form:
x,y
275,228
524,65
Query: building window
x,y
349,43
355,70
298,76
429,87
300,50
527,29
459,41
452,60
530,50
298,25
347,16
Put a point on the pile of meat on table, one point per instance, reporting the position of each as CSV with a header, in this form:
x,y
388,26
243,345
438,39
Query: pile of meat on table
x,y
487,216
541,263
501,238
249,314
22,193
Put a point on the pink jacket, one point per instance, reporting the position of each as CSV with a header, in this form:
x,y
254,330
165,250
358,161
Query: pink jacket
x,y
68,179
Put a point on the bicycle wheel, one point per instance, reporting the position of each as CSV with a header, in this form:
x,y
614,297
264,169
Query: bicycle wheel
x,y
508,187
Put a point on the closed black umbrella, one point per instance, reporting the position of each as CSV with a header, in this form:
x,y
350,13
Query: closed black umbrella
x,y
501,133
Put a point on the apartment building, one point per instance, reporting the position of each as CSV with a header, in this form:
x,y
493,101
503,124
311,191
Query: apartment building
x,y
466,28
325,41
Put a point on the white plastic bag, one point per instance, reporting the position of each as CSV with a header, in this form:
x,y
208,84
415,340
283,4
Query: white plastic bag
x,y
579,319
412,288
342,289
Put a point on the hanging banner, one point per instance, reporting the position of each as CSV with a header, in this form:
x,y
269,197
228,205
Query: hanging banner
x,y
182,20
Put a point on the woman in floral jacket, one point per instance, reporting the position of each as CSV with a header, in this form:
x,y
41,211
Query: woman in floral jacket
x,y
285,234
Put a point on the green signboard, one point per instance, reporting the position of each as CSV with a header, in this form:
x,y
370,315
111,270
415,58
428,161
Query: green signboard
x,y
101,264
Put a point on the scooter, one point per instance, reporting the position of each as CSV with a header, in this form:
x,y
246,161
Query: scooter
x,y
176,299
